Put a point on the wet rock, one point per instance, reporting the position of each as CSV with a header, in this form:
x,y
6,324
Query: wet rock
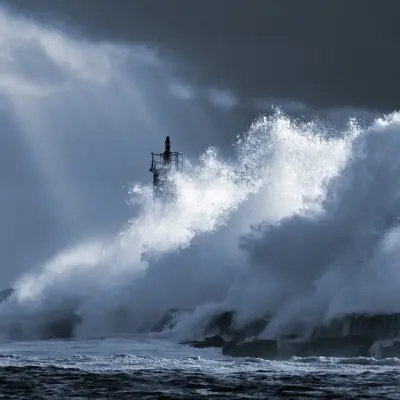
x,y
222,323
220,329
212,341
347,336
341,346
251,329
291,348
169,319
256,348
376,326
225,325
351,346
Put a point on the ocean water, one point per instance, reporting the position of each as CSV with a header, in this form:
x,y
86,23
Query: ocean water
x,y
142,366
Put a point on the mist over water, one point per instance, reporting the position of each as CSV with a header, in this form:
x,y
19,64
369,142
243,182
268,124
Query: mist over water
x,y
300,222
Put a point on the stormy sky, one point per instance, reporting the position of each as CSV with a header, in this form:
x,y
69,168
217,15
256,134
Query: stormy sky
x,y
238,55
329,53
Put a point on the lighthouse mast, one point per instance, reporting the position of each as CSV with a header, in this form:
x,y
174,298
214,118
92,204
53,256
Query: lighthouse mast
x,y
162,164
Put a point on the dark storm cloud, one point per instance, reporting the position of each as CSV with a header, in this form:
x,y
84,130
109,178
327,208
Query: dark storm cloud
x,y
328,53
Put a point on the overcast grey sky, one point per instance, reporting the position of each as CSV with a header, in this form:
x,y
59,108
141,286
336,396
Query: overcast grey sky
x,y
226,56
326,52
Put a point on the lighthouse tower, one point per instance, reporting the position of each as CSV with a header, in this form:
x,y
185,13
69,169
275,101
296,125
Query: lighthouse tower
x,y
162,164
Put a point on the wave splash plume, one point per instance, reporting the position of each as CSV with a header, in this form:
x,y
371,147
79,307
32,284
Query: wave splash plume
x,y
187,254
300,223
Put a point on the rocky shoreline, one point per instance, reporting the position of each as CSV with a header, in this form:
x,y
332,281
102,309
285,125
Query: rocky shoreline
x,y
356,335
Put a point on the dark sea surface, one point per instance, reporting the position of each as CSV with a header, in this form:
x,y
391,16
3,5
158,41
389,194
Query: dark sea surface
x,y
147,368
